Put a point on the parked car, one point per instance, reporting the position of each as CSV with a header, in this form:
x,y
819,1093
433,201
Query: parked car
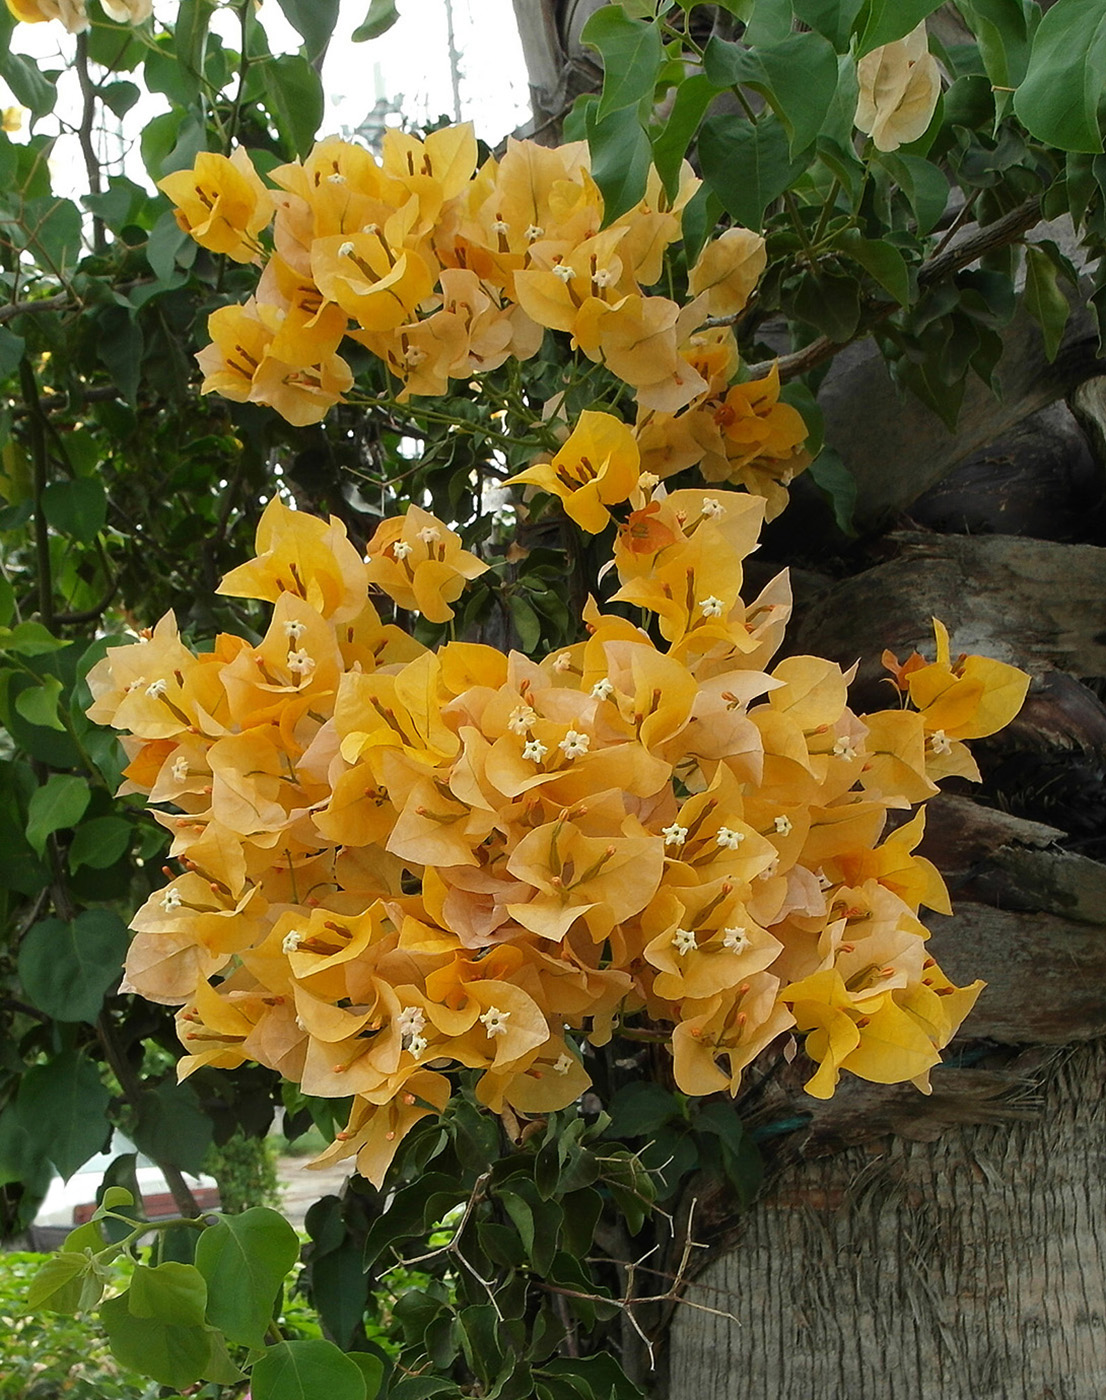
x,y
71,1203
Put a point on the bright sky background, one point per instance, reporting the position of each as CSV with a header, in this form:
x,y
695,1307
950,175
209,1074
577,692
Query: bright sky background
x,y
409,66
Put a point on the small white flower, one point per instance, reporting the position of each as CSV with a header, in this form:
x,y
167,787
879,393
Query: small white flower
x,y
290,942
371,229
336,179
712,508
494,1021
521,718
648,480
783,826
728,839
500,226
294,629
156,689
574,744
562,1064
562,662
604,689
416,1045
345,250
736,938
844,748
430,534
564,272
400,550
137,682
534,750
411,1020
939,742
711,607
414,356
180,769
301,663
171,900
301,1024
534,232
683,940
770,869
674,835
603,277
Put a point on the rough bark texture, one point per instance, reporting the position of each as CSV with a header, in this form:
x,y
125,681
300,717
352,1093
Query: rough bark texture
x,y
970,1268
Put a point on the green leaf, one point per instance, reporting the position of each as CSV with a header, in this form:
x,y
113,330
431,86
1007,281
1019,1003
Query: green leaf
x,y
925,185
746,166
883,21
78,508
66,968
170,1293
641,1108
380,18
11,351
28,83
1044,299
313,20
168,1352
1059,101
58,804
833,478
244,1259
51,230
99,843
620,157
797,77
306,1371
171,1127
63,1106
340,1289
881,259
632,55
165,246
372,1370
296,100
39,703
693,97
120,97
30,639
116,1196
1004,30
58,1283
832,18
120,345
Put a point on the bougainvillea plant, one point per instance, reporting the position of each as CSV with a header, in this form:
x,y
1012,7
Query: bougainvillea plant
x,y
497,837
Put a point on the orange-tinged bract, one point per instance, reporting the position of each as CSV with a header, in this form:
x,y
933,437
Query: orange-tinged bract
x,y
393,862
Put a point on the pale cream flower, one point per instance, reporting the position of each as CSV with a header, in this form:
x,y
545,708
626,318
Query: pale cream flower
x,y
899,87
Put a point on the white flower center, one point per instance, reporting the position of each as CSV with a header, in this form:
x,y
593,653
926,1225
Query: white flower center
x,y
844,748
302,663
728,839
400,550
783,826
534,232
602,690
674,835
430,534
711,607
294,629
534,750
157,688
939,742
715,510
574,744
736,938
171,900
564,272
180,770
290,942
494,1021
345,250
683,940
562,662
562,1064
521,718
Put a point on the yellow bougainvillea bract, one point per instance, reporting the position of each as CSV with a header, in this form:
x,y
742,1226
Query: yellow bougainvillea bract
x,y
394,861
444,270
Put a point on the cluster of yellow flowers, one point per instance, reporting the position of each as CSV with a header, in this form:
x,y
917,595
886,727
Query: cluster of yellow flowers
x,y
443,270
74,15
395,861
